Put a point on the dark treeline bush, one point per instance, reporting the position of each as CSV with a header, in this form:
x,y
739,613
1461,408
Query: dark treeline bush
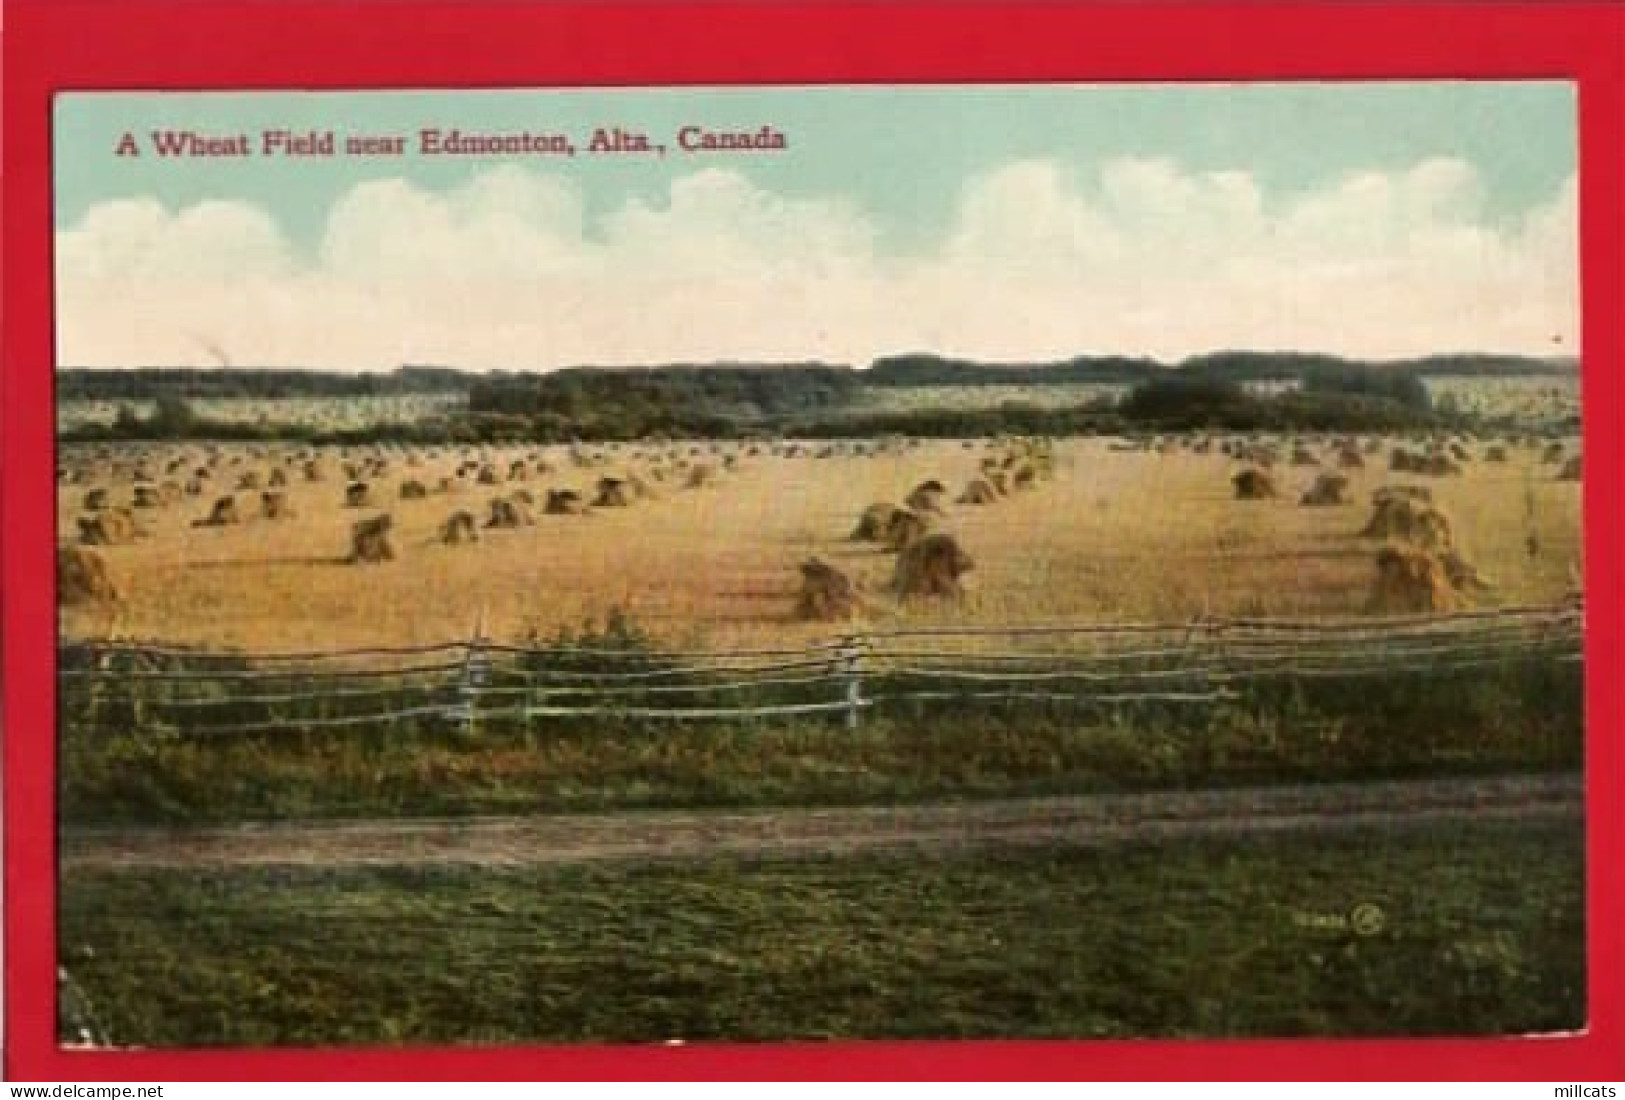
x,y
252,383
1193,402
646,395
1400,385
1332,396
921,369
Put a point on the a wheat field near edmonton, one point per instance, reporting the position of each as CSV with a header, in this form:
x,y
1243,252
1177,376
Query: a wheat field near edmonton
x,y
1113,535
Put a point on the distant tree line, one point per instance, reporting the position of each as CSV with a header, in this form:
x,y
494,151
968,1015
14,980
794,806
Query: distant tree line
x,y
1210,392
922,369
148,384
739,389
641,397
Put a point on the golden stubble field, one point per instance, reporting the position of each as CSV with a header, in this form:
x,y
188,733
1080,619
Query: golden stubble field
x,y
1115,535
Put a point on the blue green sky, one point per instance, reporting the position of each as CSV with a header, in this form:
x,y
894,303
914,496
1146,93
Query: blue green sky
x,y
1003,222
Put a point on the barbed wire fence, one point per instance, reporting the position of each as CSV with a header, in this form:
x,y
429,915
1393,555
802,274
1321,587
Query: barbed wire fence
x,y
479,683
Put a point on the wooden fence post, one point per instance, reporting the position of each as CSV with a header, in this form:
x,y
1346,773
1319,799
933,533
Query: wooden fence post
x,y
476,674
851,668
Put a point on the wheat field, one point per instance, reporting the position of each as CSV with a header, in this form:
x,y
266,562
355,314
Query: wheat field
x,y
1115,535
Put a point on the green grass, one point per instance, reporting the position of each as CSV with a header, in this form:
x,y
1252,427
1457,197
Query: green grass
x,y
1483,934
1521,719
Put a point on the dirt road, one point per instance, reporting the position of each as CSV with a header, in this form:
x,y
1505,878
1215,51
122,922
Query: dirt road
x,y
669,835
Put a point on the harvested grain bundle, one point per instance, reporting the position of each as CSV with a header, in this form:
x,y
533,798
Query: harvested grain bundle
x,y
357,495
314,472
278,478
931,566
95,500
638,489
890,525
459,528
274,505
223,514
926,497
369,540
522,496
1254,484
412,489
146,496
565,502
612,493
978,492
518,471
1571,470
1327,490
1410,492
1463,575
1553,453
826,593
1025,478
507,513
1496,453
248,481
1437,465
82,578
1349,458
487,476
1412,581
997,479
905,529
1302,456
700,475
874,523
1412,521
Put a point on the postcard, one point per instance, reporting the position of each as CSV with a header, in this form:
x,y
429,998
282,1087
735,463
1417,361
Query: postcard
x,y
680,564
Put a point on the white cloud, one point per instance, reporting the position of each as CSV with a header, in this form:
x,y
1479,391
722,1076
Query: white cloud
x,y
1141,256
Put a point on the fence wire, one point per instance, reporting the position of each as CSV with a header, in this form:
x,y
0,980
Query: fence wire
x,y
473,683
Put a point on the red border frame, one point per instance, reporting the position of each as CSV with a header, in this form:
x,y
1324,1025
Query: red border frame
x,y
189,44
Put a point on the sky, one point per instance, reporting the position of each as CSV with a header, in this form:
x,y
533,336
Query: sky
x,y
1005,223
